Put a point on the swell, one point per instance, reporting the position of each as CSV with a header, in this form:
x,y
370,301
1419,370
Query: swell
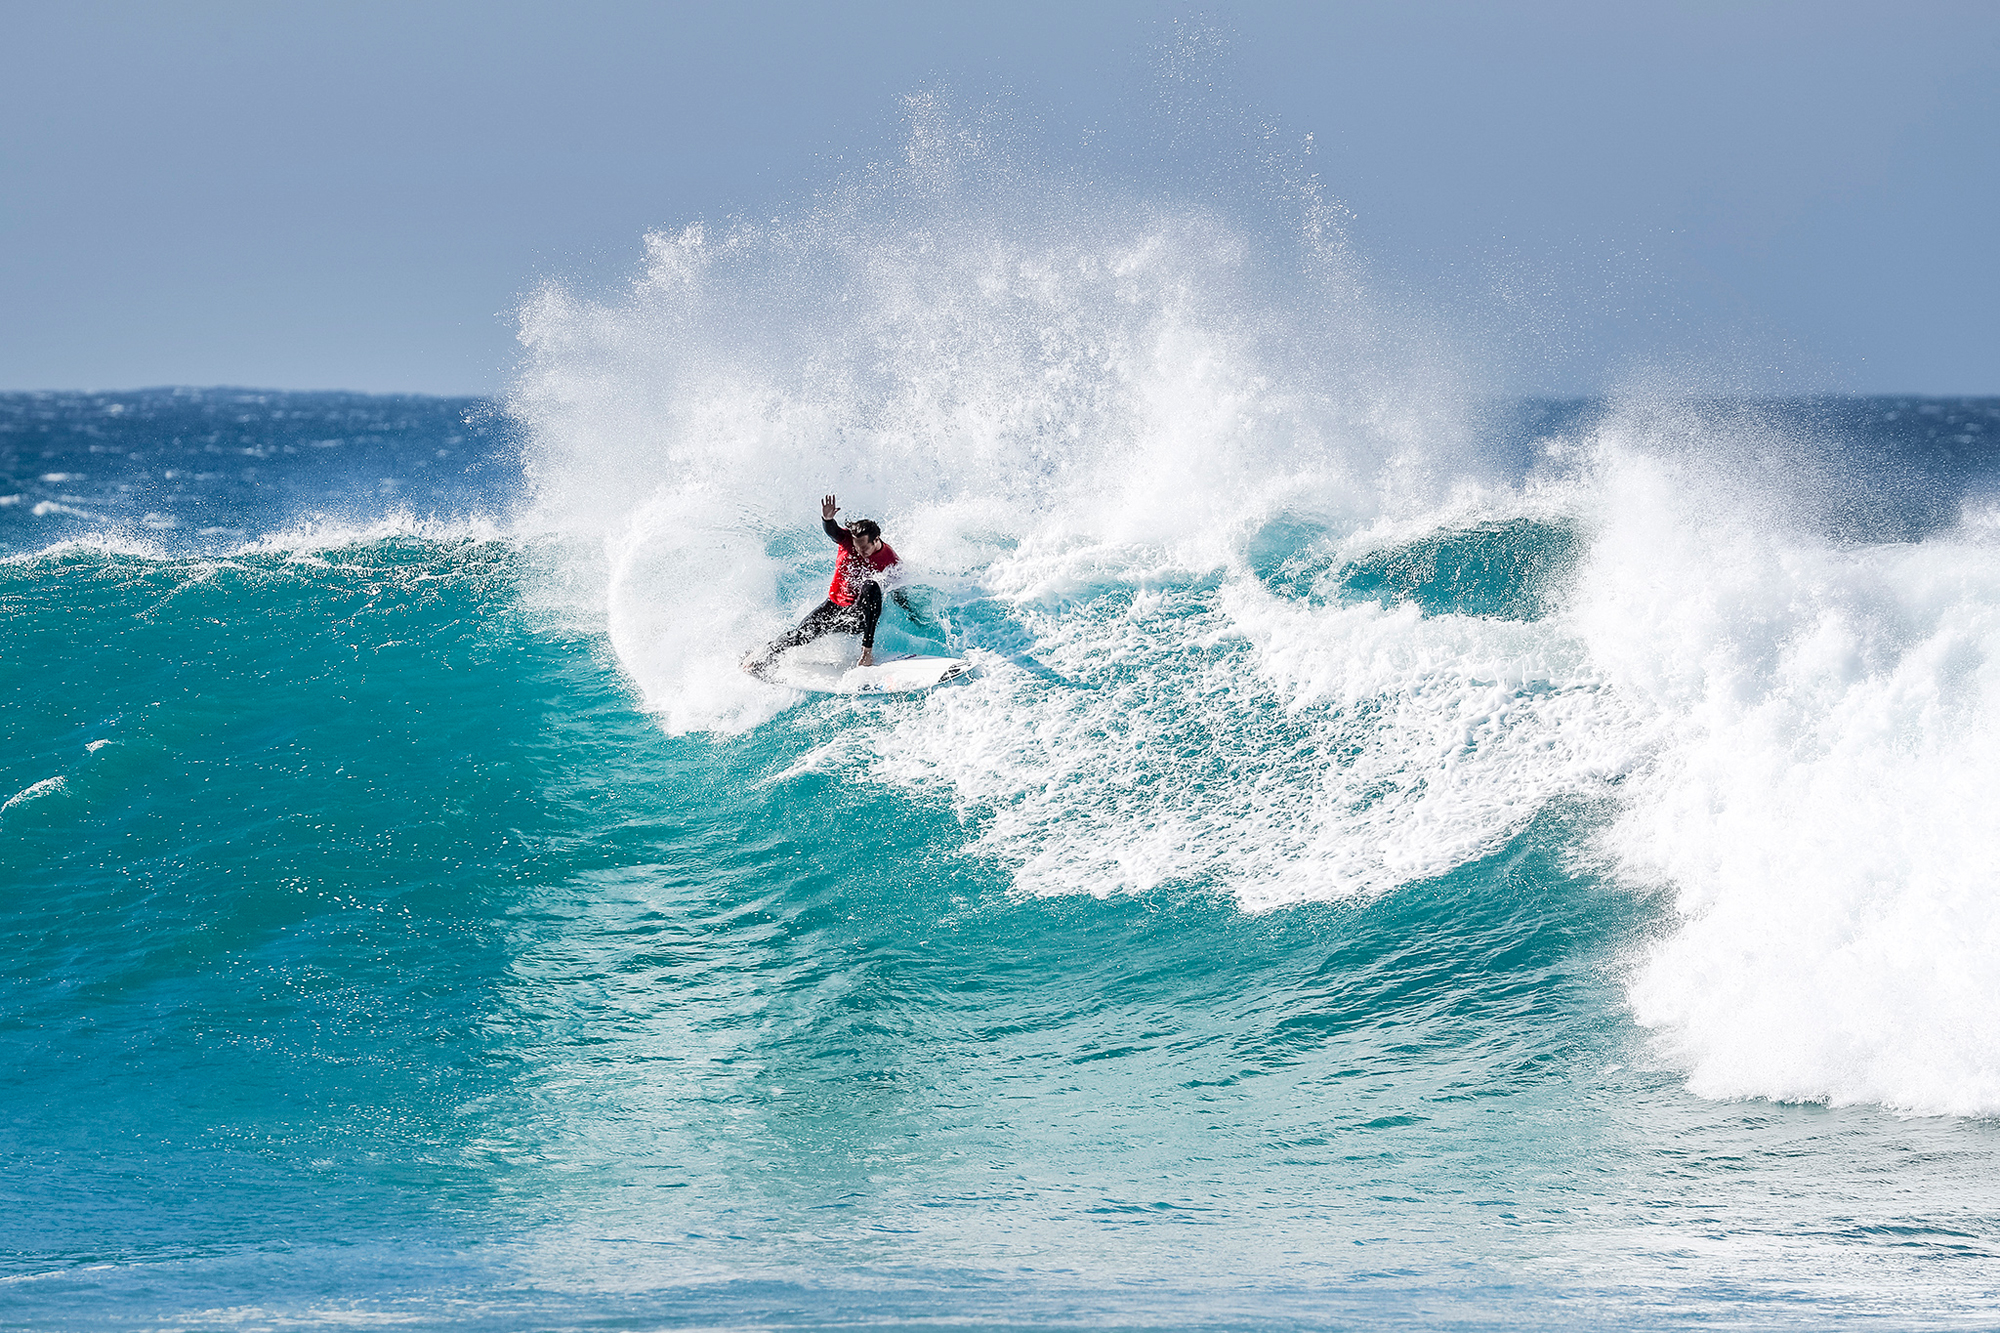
x,y
203,471
270,893
379,896
404,924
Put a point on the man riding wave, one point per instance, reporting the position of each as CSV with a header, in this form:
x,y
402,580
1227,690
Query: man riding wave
x,y
853,602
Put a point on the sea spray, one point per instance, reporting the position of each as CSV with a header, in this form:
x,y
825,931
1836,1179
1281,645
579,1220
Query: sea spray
x,y
1145,472
1828,715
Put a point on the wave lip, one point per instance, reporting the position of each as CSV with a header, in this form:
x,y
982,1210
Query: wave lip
x,y
54,786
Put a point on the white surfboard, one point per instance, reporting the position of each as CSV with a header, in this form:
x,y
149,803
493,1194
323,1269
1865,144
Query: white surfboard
x,y
890,675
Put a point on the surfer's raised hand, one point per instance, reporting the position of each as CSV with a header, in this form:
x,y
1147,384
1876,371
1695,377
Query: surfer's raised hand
x,y
827,508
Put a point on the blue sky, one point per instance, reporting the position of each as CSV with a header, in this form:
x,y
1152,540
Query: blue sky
x,y
357,195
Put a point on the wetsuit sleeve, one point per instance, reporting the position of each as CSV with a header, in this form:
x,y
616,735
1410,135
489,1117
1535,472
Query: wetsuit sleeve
x,y
840,535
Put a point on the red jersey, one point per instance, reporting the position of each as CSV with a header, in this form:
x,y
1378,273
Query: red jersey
x,y
850,571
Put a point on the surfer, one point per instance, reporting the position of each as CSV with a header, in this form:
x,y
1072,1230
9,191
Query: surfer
x,y
854,600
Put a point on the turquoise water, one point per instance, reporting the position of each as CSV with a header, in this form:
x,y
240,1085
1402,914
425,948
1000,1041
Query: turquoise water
x,y
375,954
1493,866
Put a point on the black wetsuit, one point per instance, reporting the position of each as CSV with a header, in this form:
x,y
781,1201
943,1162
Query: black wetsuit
x,y
853,577
829,617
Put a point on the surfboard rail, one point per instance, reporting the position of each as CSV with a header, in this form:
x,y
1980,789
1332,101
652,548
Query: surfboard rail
x,y
903,673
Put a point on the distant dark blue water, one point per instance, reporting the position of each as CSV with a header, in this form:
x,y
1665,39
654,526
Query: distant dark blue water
x,y
212,469
1524,867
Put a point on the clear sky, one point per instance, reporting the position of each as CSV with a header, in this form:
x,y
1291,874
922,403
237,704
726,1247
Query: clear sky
x,y
356,195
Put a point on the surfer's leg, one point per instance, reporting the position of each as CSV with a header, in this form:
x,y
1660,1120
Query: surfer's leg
x,y
869,604
828,619
823,619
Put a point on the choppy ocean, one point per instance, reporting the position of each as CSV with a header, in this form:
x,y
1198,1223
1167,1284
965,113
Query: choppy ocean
x,y
1409,857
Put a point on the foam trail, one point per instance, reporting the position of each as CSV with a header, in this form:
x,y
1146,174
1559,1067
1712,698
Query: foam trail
x,y
683,586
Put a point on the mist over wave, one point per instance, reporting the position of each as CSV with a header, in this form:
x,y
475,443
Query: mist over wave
x,y
1828,721
1267,604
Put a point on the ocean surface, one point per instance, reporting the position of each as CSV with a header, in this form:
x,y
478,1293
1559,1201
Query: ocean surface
x,y
1408,858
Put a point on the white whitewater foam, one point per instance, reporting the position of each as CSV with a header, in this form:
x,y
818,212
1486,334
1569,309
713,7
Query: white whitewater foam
x,y
46,787
1821,800
47,507
1053,404
114,543
1282,751
301,540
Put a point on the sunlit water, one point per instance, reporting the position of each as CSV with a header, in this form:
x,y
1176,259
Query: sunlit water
x,y
1406,858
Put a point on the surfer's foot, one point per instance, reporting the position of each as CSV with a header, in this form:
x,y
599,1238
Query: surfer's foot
x,y
867,657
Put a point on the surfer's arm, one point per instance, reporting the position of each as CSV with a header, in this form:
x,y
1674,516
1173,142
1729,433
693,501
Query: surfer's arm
x,y
841,536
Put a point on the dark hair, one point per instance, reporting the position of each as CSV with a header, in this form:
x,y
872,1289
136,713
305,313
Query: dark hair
x,y
867,527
